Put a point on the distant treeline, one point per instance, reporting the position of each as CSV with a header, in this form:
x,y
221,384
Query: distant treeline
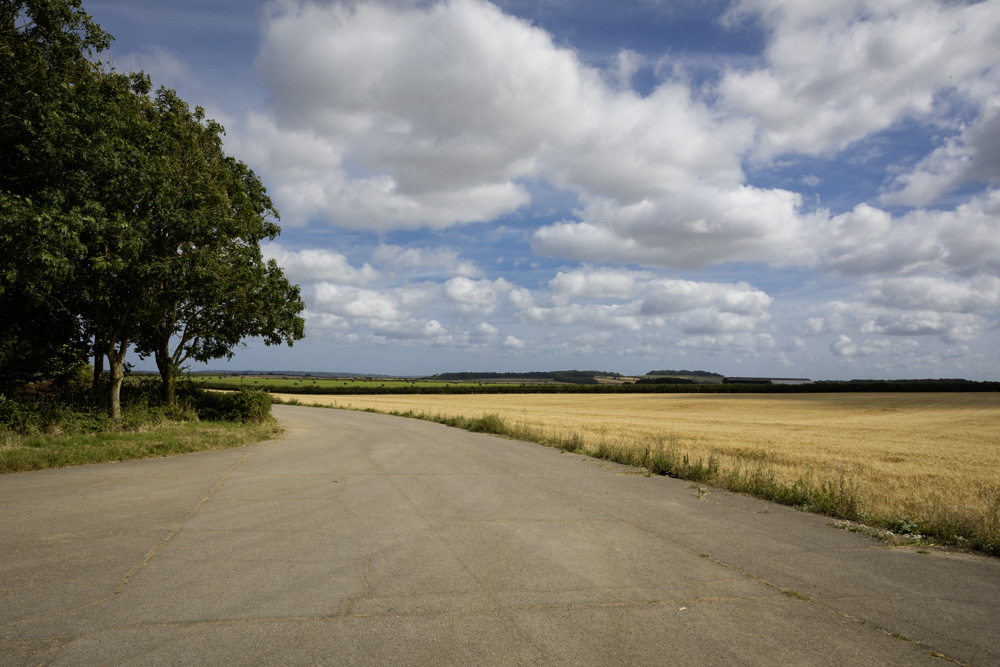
x,y
650,388
572,377
700,374
665,379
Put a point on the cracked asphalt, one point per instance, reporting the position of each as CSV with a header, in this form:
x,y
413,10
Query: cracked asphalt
x,y
359,538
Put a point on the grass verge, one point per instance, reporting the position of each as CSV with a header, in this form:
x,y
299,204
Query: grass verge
x,y
46,426
20,453
754,476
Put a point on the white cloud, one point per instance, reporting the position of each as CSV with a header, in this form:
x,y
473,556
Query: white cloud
x,y
318,265
424,261
355,302
691,228
837,72
741,343
664,296
845,347
641,301
475,297
973,156
400,115
869,241
590,283
599,316
626,65
934,293
435,115
950,327
513,343
911,307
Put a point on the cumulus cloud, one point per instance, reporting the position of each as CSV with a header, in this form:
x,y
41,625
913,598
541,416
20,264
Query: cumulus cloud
x,y
640,301
693,228
424,261
837,72
868,240
665,296
911,307
513,343
399,115
971,157
845,347
729,343
475,297
318,265
935,293
430,113
950,327
388,116
590,283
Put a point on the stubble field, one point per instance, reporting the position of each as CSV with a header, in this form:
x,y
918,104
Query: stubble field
x,y
927,462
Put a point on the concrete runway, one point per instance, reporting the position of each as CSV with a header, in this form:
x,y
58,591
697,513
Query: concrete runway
x,y
365,539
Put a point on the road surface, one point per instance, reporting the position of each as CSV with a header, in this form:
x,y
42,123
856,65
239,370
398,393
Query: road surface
x,y
366,539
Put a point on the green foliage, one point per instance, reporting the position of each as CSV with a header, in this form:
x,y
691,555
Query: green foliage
x,y
122,220
45,46
245,405
664,379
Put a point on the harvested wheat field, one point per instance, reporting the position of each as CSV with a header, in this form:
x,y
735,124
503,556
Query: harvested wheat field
x,y
932,459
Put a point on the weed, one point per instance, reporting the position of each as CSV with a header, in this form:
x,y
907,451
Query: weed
x,y
488,423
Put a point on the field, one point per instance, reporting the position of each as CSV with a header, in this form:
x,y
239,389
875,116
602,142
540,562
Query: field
x,y
271,381
927,462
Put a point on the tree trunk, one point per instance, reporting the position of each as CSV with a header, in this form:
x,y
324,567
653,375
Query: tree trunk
x,y
117,362
168,383
98,363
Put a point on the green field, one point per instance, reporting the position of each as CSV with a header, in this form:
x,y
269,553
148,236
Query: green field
x,y
274,381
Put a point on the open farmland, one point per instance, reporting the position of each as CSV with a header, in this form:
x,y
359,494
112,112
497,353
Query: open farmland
x,y
278,382
928,461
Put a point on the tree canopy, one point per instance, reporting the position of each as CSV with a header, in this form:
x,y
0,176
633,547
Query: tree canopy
x,y
123,221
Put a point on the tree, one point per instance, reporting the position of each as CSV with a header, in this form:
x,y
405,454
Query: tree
x,y
45,51
120,214
175,255
240,297
212,288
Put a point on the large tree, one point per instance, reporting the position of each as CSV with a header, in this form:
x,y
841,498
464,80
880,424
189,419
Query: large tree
x,y
175,257
211,287
120,212
46,50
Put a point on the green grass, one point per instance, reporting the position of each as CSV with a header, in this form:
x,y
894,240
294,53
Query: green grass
x,y
45,426
276,382
20,453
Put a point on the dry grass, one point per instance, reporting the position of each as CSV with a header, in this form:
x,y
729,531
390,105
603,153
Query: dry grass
x,y
931,459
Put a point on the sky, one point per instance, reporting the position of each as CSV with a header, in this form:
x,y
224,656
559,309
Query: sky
x,y
780,188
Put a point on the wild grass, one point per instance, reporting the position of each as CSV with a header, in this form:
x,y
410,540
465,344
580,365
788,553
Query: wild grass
x,y
55,427
41,451
922,466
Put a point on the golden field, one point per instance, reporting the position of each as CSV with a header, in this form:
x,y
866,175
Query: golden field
x,y
932,456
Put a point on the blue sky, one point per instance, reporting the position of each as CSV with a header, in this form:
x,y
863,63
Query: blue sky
x,y
755,187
